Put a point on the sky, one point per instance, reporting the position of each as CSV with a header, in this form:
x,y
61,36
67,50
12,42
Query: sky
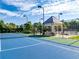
x,y
21,11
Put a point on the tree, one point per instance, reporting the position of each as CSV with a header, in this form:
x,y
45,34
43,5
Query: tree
x,y
37,27
11,27
40,26
1,26
1,23
34,28
72,25
28,27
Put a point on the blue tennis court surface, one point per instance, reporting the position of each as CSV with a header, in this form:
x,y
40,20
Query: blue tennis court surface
x,y
17,46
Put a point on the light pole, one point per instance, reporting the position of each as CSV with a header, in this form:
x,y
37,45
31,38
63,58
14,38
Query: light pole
x,y
25,17
62,29
43,19
59,15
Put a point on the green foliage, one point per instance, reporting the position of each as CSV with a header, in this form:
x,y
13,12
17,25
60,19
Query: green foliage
x,y
3,27
8,27
1,24
11,25
36,27
71,25
28,27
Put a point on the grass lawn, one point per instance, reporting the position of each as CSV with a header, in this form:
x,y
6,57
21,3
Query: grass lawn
x,y
74,37
27,34
69,41
76,44
62,40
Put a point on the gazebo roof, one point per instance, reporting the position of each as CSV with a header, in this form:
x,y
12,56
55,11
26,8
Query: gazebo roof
x,y
52,19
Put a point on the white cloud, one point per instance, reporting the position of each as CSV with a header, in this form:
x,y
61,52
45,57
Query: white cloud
x,y
26,6
36,11
6,12
59,7
53,7
77,1
22,4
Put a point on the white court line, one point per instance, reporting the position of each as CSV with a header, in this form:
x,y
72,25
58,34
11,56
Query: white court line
x,y
63,47
66,48
22,46
19,47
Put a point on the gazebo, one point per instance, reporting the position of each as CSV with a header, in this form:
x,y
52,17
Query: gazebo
x,y
54,25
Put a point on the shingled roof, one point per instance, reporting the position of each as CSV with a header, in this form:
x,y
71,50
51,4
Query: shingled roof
x,y
52,19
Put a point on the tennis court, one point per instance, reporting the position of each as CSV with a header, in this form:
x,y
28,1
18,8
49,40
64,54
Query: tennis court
x,y
18,46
